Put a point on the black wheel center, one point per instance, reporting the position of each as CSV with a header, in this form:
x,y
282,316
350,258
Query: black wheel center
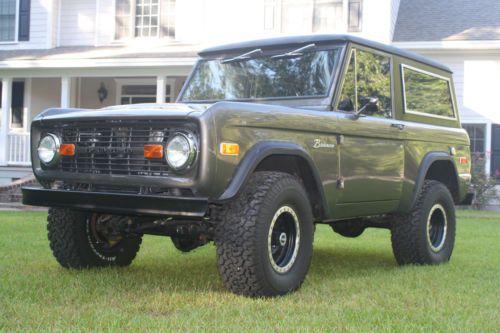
x,y
436,227
283,239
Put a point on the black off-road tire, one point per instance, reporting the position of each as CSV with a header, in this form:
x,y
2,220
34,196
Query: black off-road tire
x,y
243,236
71,242
409,233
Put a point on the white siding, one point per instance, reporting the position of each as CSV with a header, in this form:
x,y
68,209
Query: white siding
x,y
77,22
376,24
105,22
39,16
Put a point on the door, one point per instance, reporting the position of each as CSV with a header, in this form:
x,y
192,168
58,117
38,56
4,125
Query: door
x,y
371,145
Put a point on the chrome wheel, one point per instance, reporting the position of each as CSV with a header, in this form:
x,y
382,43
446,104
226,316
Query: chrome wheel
x,y
283,239
437,224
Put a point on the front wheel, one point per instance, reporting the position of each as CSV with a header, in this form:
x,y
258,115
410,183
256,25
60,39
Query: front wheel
x,y
83,240
264,243
426,235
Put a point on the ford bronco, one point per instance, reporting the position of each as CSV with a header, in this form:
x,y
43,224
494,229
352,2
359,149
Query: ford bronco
x,y
267,138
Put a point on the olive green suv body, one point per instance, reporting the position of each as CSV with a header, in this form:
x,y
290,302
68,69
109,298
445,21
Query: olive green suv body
x,y
266,138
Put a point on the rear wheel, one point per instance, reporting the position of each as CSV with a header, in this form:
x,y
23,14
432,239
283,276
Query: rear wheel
x,y
81,239
426,235
264,243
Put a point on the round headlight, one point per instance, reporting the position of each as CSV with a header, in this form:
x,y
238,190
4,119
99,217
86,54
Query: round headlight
x,y
48,149
181,151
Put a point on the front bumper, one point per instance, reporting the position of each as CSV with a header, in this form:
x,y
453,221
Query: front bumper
x,y
117,203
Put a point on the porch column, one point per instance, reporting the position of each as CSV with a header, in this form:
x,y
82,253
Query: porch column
x,y
65,92
160,89
4,129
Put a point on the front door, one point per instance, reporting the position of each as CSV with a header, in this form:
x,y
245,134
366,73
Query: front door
x,y
371,145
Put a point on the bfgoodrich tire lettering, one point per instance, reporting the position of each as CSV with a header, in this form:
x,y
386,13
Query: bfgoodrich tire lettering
x,y
74,245
426,235
242,237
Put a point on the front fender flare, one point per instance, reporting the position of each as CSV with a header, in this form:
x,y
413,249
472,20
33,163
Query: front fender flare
x,y
257,154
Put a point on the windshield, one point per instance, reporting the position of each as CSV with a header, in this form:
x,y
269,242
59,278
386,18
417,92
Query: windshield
x,y
292,74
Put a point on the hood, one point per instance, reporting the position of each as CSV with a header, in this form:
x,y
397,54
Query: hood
x,y
134,111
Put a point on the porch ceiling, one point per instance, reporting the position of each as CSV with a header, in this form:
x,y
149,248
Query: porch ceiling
x,y
132,56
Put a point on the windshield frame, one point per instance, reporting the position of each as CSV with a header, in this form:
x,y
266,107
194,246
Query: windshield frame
x,y
323,100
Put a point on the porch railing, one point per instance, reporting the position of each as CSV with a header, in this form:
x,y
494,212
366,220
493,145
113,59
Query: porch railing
x,y
19,149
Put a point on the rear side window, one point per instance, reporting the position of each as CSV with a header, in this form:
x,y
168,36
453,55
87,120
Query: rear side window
x,y
426,93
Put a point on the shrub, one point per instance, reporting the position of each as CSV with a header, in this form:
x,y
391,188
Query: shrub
x,y
482,184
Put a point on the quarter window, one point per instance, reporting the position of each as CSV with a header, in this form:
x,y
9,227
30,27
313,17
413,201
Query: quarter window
x,y
368,76
426,93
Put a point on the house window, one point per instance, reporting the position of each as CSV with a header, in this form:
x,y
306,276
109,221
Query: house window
x,y
147,18
477,137
135,94
144,18
8,17
303,16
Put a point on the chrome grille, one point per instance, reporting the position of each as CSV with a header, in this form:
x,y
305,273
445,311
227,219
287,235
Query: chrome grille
x,y
115,148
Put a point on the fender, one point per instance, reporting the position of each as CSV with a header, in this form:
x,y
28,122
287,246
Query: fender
x,y
424,167
257,154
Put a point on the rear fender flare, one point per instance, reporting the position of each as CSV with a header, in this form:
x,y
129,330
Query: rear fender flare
x,y
425,165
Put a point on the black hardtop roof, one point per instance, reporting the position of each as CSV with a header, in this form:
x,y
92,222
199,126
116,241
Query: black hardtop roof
x,y
297,41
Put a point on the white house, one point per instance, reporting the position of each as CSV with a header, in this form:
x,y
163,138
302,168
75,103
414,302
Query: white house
x,y
465,35
96,53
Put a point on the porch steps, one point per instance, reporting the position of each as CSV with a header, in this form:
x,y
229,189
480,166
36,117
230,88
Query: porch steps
x,y
11,193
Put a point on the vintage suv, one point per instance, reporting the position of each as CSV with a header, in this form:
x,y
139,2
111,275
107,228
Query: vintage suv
x,y
266,139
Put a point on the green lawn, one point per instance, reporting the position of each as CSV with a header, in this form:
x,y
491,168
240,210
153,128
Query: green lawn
x,y
353,285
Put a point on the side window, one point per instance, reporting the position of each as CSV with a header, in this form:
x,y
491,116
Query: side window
x,y
368,76
426,93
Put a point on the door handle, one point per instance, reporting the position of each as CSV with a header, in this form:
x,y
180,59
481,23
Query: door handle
x,y
398,126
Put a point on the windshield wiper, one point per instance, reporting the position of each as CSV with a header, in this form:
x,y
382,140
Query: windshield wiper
x,y
295,53
243,57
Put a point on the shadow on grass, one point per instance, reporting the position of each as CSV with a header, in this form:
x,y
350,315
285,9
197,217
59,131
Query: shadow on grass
x,y
197,272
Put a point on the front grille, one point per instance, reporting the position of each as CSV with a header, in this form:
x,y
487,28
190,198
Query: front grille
x,y
115,148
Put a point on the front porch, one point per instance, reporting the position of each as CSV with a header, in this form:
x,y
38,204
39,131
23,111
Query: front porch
x,y
23,98
81,77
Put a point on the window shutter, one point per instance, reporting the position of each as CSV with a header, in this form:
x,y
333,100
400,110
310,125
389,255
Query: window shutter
x,y
355,15
24,20
167,18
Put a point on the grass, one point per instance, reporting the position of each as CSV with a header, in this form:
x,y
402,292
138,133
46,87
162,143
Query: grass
x,y
353,285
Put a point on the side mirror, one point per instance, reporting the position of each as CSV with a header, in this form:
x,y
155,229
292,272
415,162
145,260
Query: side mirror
x,y
370,105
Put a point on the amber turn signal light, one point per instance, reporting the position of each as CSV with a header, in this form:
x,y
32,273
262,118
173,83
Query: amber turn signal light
x,y
67,149
231,149
463,160
153,151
